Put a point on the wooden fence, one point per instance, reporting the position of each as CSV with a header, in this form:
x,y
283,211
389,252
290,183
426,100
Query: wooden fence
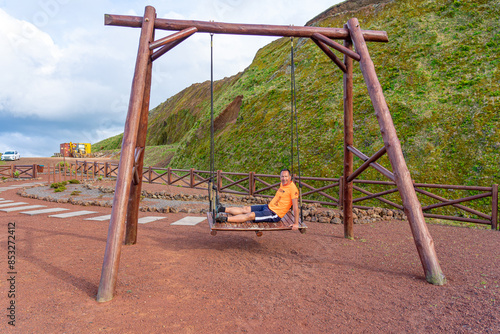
x,y
19,171
324,191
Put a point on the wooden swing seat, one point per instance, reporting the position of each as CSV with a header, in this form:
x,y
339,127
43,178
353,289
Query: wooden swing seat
x,y
284,224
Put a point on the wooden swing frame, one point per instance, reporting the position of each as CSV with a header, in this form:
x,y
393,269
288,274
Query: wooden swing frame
x,y
124,215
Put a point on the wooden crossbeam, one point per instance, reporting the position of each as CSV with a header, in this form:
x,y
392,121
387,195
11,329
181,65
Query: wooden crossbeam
x,y
366,164
243,29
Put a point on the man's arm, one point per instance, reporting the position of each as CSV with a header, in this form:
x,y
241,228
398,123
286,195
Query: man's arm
x,y
296,214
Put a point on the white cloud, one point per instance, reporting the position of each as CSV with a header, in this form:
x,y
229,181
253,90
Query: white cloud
x,y
66,77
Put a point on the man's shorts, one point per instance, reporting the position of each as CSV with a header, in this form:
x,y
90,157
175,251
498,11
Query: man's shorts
x,y
264,214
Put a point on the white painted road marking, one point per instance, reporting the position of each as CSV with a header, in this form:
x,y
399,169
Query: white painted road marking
x,y
38,212
73,214
100,218
191,221
19,208
12,204
145,220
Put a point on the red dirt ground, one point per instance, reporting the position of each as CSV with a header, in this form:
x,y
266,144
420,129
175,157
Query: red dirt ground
x,y
180,279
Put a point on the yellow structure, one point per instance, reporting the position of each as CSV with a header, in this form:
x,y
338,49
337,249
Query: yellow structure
x,y
80,150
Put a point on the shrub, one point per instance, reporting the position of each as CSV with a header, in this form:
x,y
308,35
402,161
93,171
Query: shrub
x,y
60,189
59,184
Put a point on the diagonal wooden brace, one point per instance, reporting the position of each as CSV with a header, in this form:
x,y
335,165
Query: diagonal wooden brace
x,y
172,38
138,157
330,54
366,164
384,171
325,40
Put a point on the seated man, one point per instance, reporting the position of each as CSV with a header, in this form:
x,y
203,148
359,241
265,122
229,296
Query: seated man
x,y
285,198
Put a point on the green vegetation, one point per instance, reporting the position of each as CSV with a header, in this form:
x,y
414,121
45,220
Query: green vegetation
x,y
59,186
61,165
441,80
111,143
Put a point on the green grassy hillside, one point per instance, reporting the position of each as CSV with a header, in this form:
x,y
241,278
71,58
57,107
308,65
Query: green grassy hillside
x,y
441,79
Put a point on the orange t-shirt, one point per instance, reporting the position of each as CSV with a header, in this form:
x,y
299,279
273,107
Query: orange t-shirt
x,y
282,202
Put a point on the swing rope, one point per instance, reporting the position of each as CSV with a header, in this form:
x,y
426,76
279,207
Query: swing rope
x,y
213,191
294,118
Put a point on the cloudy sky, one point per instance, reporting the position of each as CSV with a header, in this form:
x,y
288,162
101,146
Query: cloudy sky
x,y
65,76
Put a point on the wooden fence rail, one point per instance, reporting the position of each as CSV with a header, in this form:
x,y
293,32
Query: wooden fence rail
x,y
324,191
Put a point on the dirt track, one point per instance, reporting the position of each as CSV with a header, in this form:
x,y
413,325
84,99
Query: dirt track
x,y
180,279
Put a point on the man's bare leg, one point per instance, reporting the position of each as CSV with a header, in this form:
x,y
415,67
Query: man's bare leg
x,y
237,214
235,210
241,218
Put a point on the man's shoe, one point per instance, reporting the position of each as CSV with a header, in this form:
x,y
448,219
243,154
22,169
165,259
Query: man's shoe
x,y
219,218
220,208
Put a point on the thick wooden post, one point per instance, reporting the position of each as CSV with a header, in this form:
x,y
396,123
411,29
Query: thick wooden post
x,y
348,141
494,207
124,179
411,204
136,189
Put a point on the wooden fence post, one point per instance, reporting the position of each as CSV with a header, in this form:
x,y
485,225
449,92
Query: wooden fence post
x,y
251,183
169,175
494,207
191,178
106,166
150,174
